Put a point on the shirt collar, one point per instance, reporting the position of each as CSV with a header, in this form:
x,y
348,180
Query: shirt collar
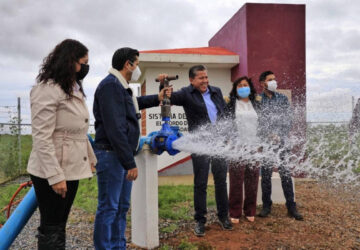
x,y
266,97
207,92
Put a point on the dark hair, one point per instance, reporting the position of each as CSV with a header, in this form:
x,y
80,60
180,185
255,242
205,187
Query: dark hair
x,y
264,75
233,92
194,69
59,65
122,55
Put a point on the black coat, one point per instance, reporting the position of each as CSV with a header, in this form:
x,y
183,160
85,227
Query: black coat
x,y
116,121
194,105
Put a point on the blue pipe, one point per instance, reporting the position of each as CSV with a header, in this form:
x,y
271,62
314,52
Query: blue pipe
x,y
18,220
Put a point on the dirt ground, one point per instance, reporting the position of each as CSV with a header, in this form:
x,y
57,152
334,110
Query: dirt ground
x,y
332,221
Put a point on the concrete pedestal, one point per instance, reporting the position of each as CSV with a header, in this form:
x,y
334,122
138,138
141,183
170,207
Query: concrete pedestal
x,y
144,201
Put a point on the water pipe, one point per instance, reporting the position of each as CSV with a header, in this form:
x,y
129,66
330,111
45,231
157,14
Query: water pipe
x,y
162,140
18,219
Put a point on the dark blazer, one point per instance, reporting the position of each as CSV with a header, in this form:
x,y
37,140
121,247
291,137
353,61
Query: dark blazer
x,y
194,105
275,115
116,121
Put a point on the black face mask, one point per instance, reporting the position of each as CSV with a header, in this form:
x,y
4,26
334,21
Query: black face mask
x,y
83,72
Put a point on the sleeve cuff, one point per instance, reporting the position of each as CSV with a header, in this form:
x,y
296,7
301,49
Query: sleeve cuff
x,y
56,179
129,165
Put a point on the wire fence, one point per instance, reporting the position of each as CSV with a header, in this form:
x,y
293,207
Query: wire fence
x,y
16,141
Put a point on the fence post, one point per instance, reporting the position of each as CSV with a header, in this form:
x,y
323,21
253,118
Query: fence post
x,y
19,131
352,103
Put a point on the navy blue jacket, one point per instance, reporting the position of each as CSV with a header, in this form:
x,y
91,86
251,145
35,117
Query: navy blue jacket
x,y
275,116
116,121
194,105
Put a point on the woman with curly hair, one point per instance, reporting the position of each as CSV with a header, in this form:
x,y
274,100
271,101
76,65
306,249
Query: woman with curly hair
x,y
242,108
61,152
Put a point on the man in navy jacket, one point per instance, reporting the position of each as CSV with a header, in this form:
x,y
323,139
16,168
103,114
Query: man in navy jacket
x,y
275,123
116,111
204,104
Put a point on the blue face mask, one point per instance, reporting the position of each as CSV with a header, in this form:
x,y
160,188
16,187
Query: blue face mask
x,y
243,92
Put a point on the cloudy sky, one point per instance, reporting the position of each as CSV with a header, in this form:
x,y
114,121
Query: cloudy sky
x,y
30,29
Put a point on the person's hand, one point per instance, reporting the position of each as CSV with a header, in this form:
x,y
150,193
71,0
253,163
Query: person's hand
x,y
92,166
161,77
132,174
165,91
60,188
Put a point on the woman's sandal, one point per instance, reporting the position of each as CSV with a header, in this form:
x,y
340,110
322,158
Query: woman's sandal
x,y
250,218
234,220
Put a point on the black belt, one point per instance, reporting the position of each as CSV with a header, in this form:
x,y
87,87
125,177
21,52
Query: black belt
x,y
103,147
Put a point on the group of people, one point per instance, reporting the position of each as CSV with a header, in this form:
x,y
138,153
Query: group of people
x,y
62,155
265,117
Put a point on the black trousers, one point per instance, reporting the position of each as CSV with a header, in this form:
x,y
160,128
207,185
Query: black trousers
x,y
201,166
54,210
286,182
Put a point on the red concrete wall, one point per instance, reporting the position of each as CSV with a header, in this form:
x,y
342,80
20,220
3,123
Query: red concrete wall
x,y
270,37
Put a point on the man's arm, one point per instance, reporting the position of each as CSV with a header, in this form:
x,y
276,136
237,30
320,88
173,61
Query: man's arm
x,y
112,105
178,98
148,101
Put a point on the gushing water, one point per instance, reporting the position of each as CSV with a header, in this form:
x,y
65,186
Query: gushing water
x,y
326,153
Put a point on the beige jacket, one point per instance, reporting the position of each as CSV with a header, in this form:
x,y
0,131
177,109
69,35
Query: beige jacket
x,y
61,149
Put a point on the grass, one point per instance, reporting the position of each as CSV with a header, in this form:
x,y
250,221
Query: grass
x,y
5,195
332,146
175,202
9,163
169,229
86,196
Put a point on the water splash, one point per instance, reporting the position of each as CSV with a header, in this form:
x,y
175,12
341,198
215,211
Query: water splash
x,y
324,153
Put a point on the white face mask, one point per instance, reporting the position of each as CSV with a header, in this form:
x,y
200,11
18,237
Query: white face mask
x,y
272,85
136,74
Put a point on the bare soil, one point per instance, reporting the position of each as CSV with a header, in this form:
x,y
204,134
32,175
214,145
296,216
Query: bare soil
x,y
332,221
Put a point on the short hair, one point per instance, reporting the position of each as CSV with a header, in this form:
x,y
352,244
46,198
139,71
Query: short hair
x,y
264,75
122,55
194,69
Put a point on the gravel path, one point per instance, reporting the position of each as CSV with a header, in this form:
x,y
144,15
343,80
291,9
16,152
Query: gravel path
x,y
80,227
79,233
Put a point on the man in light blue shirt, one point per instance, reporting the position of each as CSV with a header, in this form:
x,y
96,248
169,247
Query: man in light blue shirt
x,y
204,104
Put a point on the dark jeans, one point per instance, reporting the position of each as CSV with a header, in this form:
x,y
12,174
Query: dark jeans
x,y
54,210
201,165
113,202
286,182
243,176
